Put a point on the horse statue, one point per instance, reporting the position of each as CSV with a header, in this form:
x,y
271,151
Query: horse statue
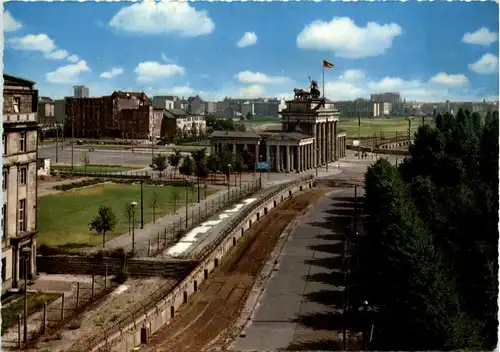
x,y
314,91
300,93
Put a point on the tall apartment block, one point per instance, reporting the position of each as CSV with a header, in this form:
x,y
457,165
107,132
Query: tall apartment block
x,y
19,182
80,92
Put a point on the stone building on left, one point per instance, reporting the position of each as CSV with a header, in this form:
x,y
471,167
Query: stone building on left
x,y
19,181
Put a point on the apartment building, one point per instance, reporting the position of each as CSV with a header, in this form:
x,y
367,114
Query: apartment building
x,y
100,116
178,122
80,92
19,182
164,101
46,112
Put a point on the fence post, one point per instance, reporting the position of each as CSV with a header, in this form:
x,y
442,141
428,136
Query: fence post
x,y
62,306
77,294
44,326
192,218
165,237
93,285
158,248
106,277
206,210
19,331
149,247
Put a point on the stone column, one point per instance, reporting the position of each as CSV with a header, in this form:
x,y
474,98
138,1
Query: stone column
x,y
268,159
315,141
234,148
288,158
299,160
331,142
335,146
328,135
323,143
309,156
257,154
278,158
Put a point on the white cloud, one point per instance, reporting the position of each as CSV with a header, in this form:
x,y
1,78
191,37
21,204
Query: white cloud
x,y
9,23
73,58
164,17
68,74
252,91
58,54
115,71
450,80
34,42
165,58
343,37
488,63
182,90
249,38
149,70
353,84
261,78
482,36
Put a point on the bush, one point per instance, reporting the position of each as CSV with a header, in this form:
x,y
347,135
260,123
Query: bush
x,y
121,277
79,184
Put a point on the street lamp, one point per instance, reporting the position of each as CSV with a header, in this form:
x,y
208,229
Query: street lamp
x,y
317,161
365,340
187,211
133,205
26,254
228,183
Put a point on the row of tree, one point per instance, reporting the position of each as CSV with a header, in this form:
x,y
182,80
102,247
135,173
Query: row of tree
x,y
215,123
430,262
199,164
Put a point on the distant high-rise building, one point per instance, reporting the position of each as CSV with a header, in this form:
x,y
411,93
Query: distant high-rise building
x,y
81,92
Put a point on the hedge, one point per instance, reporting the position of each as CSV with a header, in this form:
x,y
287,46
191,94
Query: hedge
x,y
95,181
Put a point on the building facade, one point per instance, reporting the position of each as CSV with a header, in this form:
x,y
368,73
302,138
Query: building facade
x,y
19,181
309,138
80,92
179,123
46,112
164,101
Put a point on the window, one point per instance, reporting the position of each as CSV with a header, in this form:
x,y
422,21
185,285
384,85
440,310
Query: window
x,y
4,269
5,174
22,142
4,142
17,104
23,175
22,215
4,222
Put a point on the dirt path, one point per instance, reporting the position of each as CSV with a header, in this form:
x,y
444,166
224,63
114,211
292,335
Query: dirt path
x,y
211,313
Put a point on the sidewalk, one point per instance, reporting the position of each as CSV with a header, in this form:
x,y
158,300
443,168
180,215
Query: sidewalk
x,y
196,212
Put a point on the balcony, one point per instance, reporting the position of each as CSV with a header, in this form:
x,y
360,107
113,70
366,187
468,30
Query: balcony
x,y
20,117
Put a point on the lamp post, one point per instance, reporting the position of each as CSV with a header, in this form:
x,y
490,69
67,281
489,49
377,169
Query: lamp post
x,y
317,161
228,183
365,339
26,252
187,211
134,205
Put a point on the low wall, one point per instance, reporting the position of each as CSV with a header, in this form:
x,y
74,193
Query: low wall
x,y
127,337
379,151
79,265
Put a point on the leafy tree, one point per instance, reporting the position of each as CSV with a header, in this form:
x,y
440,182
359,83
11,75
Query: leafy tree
x,y
86,161
249,115
188,166
201,169
160,163
225,162
212,163
174,160
103,222
239,165
175,198
155,197
128,212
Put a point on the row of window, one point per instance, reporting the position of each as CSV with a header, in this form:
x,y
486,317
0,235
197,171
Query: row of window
x,y
22,176
23,143
21,221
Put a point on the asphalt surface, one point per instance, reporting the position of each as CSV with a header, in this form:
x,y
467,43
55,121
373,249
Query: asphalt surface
x,y
302,301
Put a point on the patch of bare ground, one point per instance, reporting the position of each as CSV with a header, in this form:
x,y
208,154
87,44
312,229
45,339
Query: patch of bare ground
x,y
91,324
46,184
209,316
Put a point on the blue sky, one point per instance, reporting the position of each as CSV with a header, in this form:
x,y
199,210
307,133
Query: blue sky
x,y
427,51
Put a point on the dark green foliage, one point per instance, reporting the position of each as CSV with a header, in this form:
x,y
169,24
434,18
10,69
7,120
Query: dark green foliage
x,y
201,168
160,162
174,159
104,221
188,166
431,261
121,277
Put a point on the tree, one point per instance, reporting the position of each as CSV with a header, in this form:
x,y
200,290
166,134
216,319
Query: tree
x,y
128,212
175,198
174,160
154,204
249,115
225,162
103,222
201,169
212,163
188,166
239,165
160,163
86,161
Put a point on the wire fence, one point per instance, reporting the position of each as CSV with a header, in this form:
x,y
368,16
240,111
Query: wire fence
x,y
51,317
142,307
192,215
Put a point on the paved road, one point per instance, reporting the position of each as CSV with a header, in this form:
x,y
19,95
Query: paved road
x,y
303,299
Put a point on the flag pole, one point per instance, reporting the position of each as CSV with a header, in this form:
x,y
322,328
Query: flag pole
x,y
323,65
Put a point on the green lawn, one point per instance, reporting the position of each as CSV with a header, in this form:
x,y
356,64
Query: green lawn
x,y
388,127
63,218
94,168
14,305
261,120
